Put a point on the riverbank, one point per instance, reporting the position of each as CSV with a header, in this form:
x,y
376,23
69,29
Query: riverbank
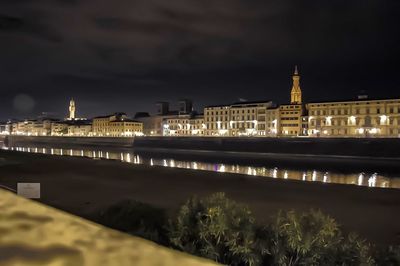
x,y
84,187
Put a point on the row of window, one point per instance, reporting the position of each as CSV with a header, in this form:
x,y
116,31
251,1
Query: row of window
x,y
356,111
352,103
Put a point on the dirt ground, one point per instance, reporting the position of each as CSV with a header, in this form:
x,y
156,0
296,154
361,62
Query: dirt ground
x,y
84,187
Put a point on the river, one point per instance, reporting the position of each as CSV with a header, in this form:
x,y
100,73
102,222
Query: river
x,y
369,179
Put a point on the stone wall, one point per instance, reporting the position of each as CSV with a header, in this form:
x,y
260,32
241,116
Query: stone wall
x,y
61,142
35,234
366,147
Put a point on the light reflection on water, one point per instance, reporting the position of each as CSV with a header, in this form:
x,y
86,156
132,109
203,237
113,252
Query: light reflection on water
x,y
360,179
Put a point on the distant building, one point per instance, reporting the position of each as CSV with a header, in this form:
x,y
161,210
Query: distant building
x,y
237,119
71,110
290,115
81,128
59,128
363,117
116,125
184,125
158,125
3,128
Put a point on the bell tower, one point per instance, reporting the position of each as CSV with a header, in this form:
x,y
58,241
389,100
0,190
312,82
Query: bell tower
x,y
295,94
71,109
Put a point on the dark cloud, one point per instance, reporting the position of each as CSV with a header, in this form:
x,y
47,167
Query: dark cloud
x,y
129,54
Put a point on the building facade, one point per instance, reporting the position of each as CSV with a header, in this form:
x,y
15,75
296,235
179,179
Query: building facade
x,y
184,125
116,125
238,119
354,118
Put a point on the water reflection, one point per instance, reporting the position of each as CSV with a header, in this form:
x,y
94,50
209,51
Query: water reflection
x,y
360,179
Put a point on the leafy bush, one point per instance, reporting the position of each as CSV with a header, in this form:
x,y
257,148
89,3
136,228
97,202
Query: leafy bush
x,y
216,228
310,238
352,250
136,218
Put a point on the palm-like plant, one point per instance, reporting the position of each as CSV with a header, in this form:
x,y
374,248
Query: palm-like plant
x,y
216,228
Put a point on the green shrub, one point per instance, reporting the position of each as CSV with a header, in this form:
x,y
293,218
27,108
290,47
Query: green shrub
x,y
216,228
136,218
352,250
310,238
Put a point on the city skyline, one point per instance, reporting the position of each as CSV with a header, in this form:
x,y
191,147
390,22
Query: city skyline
x,y
151,110
129,56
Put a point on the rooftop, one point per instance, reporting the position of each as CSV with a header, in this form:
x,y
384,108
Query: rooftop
x,y
362,99
239,103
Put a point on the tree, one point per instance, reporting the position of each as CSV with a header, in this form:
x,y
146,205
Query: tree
x,y
216,228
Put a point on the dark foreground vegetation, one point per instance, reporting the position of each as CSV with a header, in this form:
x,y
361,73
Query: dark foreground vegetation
x,y
225,231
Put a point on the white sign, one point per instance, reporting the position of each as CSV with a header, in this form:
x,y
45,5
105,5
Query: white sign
x,y
29,190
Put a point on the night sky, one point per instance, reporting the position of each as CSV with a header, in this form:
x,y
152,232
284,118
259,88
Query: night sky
x,y
125,55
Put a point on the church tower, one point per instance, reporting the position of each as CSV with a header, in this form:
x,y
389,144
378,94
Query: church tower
x,y
72,109
295,94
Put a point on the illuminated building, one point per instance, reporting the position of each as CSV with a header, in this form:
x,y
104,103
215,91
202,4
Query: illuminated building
x,y
116,125
184,125
71,110
59,128
238,119
79,128
3,128
363,117
295,94
272,122
290,115
158,124
216,119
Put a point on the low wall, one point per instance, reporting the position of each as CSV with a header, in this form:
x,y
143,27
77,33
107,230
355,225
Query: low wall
x,y
365,147
35,234
61,142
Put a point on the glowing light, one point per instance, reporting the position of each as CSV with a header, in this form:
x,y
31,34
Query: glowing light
x,y
107,155
285,175
329,120
352,120
374,130
360,179
122,156
128,157
151,162
249,171
314,176
275,172
372,180
384,119
325,177
221,168
304,176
